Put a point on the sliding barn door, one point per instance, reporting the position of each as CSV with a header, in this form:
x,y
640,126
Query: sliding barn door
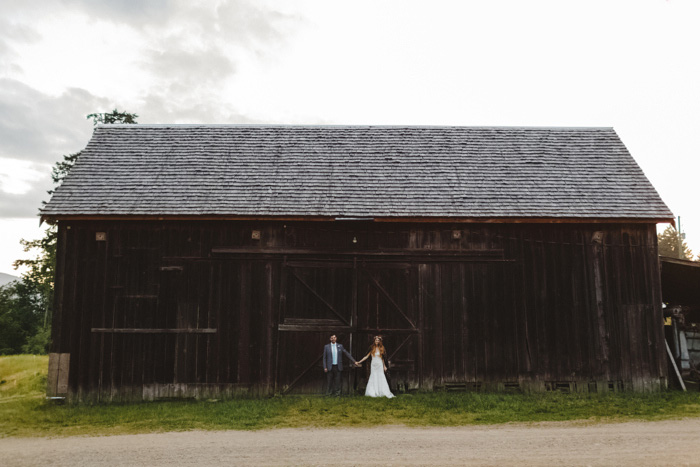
x,y
354,300
316,301
387,306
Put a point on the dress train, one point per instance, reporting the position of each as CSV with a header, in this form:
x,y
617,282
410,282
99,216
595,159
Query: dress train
x,y
377,385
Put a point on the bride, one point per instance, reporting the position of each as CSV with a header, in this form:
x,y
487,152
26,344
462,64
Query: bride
x,y
377,385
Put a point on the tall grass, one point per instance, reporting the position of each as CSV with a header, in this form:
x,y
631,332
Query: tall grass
x,y
25,412
23,376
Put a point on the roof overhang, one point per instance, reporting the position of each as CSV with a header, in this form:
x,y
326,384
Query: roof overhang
x,y
51,219
681,262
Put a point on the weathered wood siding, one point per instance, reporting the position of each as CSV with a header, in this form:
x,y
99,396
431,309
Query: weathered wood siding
x,y
176,309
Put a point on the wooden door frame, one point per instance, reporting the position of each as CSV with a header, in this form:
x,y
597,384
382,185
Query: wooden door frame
x,y
312,325
351,328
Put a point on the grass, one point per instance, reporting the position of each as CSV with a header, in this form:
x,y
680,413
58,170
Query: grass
x,y
25,412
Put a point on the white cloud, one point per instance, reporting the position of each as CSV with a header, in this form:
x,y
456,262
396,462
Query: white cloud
x,y
11,231
17,176
42,127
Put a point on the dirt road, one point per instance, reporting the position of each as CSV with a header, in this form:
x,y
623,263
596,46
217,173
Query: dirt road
x,y
638,443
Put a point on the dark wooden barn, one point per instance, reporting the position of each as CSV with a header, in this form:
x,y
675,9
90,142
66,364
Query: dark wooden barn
x,y
203,260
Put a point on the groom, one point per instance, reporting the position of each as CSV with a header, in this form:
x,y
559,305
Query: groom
x,y
333,364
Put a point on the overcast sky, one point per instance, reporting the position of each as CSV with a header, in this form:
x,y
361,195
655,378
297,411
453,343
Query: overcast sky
x,y
632,65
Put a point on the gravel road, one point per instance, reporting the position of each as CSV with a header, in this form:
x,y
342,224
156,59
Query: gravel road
x,y
638,443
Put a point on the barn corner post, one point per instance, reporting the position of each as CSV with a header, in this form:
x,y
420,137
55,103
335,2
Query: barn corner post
x,y
659,290
656,336
59,352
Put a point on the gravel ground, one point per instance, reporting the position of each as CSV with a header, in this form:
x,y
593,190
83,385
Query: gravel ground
x,y
675,442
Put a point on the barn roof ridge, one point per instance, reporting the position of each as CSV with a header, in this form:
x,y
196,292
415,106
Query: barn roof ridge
x,y
357,171
350,126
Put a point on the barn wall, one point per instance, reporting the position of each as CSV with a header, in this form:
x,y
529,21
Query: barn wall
x,y
202,309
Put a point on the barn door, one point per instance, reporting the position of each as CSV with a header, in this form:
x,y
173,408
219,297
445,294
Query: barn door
x,y
316,300
387,305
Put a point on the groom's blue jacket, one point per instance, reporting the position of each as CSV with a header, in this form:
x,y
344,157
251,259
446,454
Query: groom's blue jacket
x,y
328,356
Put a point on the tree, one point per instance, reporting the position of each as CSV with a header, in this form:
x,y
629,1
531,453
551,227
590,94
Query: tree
x,y
668,245
21,315
34,293
28,304
113,117
12,334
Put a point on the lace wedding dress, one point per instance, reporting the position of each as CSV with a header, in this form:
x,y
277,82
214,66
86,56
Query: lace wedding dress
x,y
377,385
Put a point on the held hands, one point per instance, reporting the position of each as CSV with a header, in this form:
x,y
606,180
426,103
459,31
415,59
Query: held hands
x,y
358,364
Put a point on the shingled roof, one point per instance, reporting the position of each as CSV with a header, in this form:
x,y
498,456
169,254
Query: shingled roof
x,y
356,171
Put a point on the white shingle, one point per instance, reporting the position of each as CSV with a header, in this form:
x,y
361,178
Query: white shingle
x,y
363,171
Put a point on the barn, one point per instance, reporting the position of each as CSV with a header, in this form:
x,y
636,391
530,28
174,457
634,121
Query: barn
x,y
216,260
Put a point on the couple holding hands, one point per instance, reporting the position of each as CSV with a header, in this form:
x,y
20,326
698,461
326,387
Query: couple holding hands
x,y
377,385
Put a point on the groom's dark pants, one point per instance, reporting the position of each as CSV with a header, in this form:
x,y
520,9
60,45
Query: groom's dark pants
x,y
333,380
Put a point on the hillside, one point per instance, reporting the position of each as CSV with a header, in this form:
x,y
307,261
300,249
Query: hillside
x,y
7,278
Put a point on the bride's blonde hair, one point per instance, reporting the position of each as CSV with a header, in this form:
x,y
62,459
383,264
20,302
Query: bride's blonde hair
x,y
379,346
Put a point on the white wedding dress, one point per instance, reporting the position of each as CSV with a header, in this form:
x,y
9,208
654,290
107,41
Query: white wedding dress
x,y
377,385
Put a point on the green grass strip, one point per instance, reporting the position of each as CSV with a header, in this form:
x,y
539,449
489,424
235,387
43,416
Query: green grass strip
x,y
25,412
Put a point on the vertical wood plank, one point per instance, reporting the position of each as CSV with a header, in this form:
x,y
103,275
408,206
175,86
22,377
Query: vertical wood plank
x,y
59,321
244,325
602,331
52,377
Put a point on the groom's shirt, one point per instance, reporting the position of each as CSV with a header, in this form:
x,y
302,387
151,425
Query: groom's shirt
x,y
334,349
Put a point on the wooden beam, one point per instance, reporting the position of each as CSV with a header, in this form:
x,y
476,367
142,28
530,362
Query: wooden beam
x,y
320,264
52,379
57,323
383,253
407,219
307,328
682,262
314,322
59,366
675,367
523,220
318,256
155,331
